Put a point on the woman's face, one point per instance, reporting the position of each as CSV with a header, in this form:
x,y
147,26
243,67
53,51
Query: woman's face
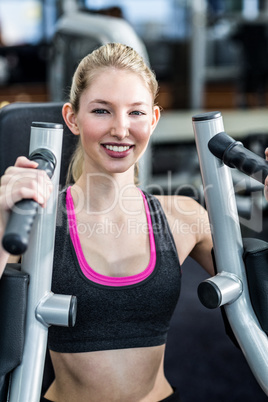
x,y
115,121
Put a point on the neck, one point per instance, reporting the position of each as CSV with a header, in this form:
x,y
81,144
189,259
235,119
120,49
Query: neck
x,y
104,193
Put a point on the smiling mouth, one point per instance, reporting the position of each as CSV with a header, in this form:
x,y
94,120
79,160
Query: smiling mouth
x,y
118,148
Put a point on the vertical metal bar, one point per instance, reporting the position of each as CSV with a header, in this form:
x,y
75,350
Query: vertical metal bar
x,y
27,378
227,243
197,53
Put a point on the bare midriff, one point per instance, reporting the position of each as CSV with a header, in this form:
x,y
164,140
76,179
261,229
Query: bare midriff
x,y
124,375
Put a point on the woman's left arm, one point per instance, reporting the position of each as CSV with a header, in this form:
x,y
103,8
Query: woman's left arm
x,y
190,228
201,252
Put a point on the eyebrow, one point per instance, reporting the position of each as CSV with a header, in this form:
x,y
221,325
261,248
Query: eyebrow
x,y
104,102
100,101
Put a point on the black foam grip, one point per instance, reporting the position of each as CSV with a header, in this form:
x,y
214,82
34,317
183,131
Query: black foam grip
x,y
18,229
234,155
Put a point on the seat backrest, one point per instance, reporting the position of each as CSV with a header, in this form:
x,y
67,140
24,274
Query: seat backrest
x,y
13,302
15,129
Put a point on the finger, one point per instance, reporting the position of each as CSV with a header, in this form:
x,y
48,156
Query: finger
x,y
266,192
22,161
266,184
266,154
25,184
9,199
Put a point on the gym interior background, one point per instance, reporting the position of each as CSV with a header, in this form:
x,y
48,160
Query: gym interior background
x,y
207,55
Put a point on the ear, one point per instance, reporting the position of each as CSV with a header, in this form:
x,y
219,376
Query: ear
x,y
70,118
156,117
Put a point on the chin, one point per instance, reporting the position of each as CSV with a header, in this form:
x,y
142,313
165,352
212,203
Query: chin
x,y
121,169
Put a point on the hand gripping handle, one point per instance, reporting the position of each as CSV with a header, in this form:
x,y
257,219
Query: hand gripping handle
x,y
17,233
233,154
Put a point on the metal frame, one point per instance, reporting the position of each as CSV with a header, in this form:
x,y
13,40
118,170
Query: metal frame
x,y
228,248
43,307
89,31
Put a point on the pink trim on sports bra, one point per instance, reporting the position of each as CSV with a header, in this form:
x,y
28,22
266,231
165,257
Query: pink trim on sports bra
x,y
88,271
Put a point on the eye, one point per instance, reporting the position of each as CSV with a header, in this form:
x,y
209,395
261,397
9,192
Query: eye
x,y
137,113
100,111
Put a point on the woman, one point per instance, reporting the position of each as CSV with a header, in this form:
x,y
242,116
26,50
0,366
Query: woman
x,y
118,249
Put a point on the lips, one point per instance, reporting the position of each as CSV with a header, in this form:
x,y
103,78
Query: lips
x,y
118,150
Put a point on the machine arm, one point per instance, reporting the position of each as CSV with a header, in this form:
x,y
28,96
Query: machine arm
x,y
229,286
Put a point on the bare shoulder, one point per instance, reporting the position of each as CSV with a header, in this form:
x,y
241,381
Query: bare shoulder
x,y
182,207
190,227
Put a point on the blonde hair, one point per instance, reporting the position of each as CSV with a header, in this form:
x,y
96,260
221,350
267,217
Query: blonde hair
x,y
114,55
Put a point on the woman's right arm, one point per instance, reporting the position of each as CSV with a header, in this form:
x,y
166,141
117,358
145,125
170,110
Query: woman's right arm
x,y
21,181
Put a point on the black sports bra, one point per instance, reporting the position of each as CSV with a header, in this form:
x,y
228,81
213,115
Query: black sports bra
x,y
111,316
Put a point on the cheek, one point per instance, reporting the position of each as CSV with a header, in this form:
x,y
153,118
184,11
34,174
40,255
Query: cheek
x,y
143,138
143,131
91,133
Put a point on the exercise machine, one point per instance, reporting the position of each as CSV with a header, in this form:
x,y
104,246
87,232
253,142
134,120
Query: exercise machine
x,y
28,307
77,34
240,285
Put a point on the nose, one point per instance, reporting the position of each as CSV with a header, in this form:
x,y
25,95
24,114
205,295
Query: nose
x,y
120,127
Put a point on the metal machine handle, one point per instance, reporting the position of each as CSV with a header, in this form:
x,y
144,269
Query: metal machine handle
x,y
17,233
234,155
